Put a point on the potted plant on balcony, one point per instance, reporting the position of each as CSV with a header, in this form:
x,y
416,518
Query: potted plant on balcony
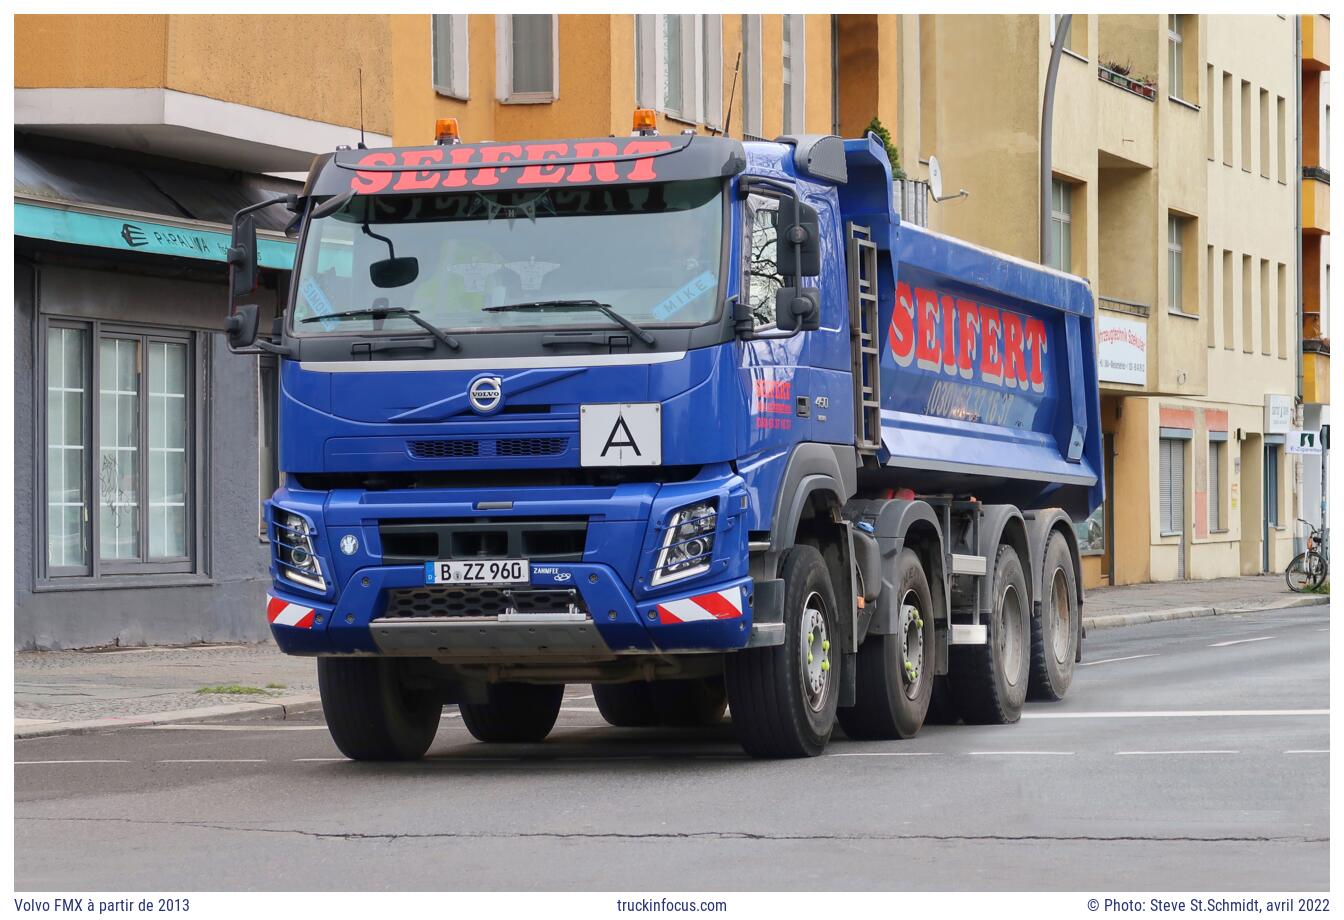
x,y
1115,72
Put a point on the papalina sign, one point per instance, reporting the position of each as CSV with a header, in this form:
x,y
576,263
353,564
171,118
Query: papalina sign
x,y
967,340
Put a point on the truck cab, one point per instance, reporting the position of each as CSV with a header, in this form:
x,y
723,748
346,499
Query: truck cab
x,y
594,410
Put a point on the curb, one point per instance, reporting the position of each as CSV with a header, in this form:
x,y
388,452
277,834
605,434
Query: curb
x,y
284,707
1108,621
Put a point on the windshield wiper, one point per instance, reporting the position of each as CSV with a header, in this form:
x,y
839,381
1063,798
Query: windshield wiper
x,y
561,306
384,313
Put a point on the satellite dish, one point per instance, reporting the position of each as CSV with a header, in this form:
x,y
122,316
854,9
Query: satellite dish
x,y
935,178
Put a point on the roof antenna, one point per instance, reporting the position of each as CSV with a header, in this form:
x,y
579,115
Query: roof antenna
x,y
362,145
728,119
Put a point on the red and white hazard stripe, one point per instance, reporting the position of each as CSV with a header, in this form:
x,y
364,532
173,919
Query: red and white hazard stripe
x,y
282,613
718,605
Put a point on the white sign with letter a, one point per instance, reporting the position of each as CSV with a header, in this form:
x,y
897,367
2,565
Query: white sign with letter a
x,y
621,434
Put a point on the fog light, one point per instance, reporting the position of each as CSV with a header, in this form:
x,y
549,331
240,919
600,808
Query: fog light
x,y
349,544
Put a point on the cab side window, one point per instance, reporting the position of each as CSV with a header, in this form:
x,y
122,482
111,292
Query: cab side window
x,y
760,259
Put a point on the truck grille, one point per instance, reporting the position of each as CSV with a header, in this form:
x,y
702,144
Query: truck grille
x,y
546,540
455,448
461,601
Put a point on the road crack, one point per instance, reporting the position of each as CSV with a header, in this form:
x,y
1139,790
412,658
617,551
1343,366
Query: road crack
x,y
699,835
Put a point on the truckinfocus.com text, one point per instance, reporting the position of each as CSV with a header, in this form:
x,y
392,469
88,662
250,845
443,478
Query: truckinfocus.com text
x,y
650,905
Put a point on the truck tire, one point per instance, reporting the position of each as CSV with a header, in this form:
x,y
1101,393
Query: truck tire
x,y
514,713
626,705
695,701
783,697
370,712
989,682
895,671
1054,635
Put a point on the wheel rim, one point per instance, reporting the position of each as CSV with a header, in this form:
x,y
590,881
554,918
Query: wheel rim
x,y
816,652
1059,597
912,645
1010,639
1298,576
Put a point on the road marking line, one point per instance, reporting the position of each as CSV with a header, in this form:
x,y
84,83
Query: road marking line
x,y
579,709
455,714
216,760
1144,753
319,759
1084,664
1027,753
888,754
21,763
234,728
587,696
1327,751
1175,713
1241,641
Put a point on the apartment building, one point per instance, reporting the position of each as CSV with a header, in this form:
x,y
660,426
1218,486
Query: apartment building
x,y
1314,42
1173,189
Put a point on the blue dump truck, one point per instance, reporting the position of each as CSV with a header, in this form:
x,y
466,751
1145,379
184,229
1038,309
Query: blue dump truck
x,y
698,422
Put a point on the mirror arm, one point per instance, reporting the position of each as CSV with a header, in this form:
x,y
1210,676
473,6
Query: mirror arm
x,y
743,329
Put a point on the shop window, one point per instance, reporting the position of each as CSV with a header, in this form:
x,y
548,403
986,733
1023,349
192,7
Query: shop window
x,y
527,52
1272,453
448,35
1171,485
120,459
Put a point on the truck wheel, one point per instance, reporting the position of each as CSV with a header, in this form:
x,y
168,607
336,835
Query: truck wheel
x,y
626,705
1054,637
989,682
783,697
514,712
895,675
697,701
371,713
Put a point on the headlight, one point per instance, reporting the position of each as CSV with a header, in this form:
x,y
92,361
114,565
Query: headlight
x,y
294,551
688,544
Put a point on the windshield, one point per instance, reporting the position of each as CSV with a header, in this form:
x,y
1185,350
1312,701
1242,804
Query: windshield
x,y
652,252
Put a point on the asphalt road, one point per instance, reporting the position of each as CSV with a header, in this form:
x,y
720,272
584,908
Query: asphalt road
x,y
1189,755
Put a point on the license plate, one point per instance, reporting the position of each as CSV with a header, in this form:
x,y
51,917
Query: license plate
x,y
477,572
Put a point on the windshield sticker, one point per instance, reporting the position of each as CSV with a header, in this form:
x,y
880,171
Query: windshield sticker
x,y
474,274
318,300
531,272
684,295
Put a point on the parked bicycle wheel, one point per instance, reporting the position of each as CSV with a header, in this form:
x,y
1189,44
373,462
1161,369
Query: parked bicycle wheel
x,y
1306,571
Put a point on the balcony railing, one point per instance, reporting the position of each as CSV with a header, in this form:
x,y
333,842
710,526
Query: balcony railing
x,y
1117,305
1144,89
1319,173
912,198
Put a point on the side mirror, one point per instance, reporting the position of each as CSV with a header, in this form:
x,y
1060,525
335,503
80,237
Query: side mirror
x,y
241,327
394,272
332,204
799,247
242,257
798,309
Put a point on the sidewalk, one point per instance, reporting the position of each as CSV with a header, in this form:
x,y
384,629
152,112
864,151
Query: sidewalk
x,y
58,692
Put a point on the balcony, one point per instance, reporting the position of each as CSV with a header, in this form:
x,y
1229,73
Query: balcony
x,y
1315,42
1315,202
1316,372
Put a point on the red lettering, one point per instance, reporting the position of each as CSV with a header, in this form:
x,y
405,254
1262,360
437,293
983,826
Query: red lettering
x,y
643,171
901,336
1036,343
949,335
456,178
371,183
1014,360
991,362
502,153
543,175
584,172
968,336
419,180
926,347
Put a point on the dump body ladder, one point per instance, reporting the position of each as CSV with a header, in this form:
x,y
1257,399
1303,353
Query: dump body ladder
x,y
861,256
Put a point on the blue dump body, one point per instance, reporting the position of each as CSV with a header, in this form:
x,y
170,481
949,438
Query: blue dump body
x,y
988,389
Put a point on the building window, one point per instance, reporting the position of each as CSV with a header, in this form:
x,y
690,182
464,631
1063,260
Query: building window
x,y
1176,232
1216,451
129,506
1227,118
1264,133
795,74
1266,308
1247,306
1171,485
1246,126
679,66
1175,56
1068,31
448,41
1061,225
1209,124
763,279
751,76
1283,139
1272,452
528,57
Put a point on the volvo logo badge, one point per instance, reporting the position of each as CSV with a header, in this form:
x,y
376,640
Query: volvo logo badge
x,y
486,394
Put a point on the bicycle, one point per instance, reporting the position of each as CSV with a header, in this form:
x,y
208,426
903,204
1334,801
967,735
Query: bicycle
x,y
1309,570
